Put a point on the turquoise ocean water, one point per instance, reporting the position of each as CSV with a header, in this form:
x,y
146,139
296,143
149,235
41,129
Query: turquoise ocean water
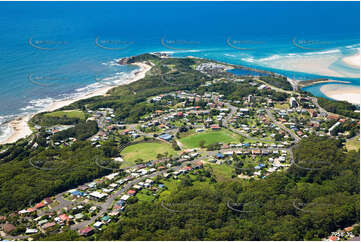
x,y
59,50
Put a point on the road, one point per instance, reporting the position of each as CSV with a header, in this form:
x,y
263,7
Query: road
x,y
315,102
290,132
108,203
225,123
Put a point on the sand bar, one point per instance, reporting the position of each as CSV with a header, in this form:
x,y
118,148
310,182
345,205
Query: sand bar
x,y
319,65
353,60
347,93
20,128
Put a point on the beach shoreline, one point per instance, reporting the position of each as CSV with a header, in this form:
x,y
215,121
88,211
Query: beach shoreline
x,y
353,61
347,93
20,128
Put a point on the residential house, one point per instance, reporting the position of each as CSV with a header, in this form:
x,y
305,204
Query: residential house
x,y
40,205
48,225
98,225
132,192
215,127
86,231
31,231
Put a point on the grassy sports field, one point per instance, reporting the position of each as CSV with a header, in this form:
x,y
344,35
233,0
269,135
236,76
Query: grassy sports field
x,y
210,137
146,151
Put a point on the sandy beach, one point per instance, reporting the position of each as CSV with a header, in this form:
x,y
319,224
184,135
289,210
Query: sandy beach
x,y
353,60
347,93
319,65
20,128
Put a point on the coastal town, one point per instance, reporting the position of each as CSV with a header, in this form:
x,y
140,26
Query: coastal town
x,y
186,133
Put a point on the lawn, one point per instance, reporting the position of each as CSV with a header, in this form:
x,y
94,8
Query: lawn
x,y
145,195
353,144
210,137
172,185
222,172
146,151
127,164
68,114
282,106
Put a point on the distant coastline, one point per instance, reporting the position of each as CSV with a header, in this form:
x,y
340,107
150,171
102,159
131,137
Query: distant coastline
x,y
20,129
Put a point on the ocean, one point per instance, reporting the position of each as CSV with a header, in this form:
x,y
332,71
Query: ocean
x,y
60,50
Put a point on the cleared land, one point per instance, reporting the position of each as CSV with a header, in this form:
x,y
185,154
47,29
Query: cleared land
x,y
222,172
353,144
146,151
68,114
209,137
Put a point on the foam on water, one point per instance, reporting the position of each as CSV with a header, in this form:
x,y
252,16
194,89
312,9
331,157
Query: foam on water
x,y
41,104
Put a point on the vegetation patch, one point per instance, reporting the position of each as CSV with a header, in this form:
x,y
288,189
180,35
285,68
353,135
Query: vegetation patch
x,y
353,144
222,172
68,114
147,151
208,138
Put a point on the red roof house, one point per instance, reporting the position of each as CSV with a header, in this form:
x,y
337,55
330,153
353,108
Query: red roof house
x,y
187,168
30,210
348,229
215,127
40,205
48,225
64,217
333,238
86,231
132,192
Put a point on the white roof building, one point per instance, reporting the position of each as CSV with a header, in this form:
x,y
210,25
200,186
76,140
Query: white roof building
x,y
98,224
31,231
112,176
98,195
125,197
